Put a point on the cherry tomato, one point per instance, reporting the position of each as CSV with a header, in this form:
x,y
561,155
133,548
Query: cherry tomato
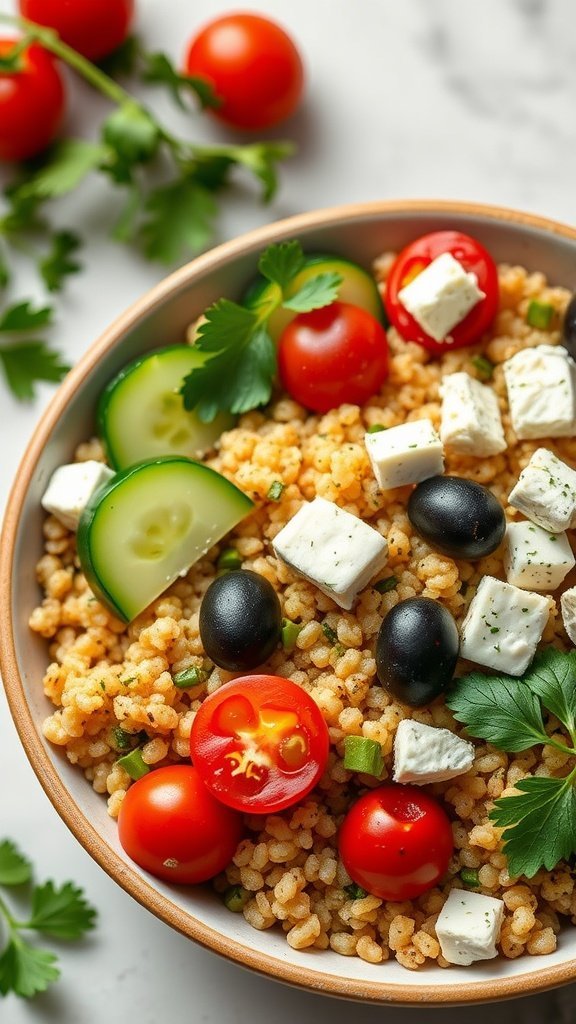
x,y
414,258
260,743
172,827
396,842
333,355
252,65
93,27
32,102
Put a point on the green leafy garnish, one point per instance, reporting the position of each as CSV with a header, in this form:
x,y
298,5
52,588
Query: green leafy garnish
x,y
27,362
60,912
229,559
57,264
239,374
355,892
540,822
178,218
159,70
385,585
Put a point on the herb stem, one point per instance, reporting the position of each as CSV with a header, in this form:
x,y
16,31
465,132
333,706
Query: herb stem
x,y
11,921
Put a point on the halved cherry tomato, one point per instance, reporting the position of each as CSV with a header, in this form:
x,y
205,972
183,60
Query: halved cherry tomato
x,y
253,67
414,258
32,102
260,743
174,828
396,842
93,27
333,355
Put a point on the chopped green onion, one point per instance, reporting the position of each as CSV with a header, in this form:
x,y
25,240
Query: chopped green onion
x,y
134,764
363,755
383,586
275,490
290,632
376,428
123,740
470,877
355,892
540,314
228,559
188,677
235,898
484,367
330,633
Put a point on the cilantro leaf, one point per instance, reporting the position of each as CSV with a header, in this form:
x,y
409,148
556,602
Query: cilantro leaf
x,y
500,709
180,220
23,317
28,362
258,157
540,824
552,677
226,324
15,868
317,292
63,913
158,70
26,970
57,264
22,213
127,224
70,161
280,263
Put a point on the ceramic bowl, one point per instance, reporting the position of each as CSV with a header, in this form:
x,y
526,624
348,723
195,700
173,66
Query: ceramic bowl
x,y
361,233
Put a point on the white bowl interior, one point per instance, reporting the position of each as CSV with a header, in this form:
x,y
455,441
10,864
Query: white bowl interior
x,y
360,235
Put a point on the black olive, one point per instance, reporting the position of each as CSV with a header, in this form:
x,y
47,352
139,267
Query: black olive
x,y
240,620
458,517
416,650
569,327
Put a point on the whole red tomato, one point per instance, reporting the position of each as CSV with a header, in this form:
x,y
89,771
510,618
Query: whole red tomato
x,y
260,743
172,827
93,27
32,102
396,842
418,255
252,65
333,355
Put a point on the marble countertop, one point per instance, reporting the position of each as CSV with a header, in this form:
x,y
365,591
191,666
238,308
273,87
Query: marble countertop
x,y
420,98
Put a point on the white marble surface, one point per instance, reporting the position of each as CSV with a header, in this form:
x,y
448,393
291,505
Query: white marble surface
x,y
420,98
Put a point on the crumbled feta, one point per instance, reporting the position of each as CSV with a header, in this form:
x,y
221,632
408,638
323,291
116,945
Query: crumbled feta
x,y
546,492
471,422
406,454
503,626
568,606
441,296
333,549
468,927
535,559
71,488
541,385
424,753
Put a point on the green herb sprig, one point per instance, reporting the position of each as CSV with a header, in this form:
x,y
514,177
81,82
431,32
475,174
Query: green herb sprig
x,y
60,912
240,372
540,822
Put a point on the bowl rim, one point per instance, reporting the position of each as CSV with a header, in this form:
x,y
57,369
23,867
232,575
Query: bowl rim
x,y
85,832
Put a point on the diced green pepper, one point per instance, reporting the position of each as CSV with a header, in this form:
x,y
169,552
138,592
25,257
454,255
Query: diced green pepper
x,y
134,764
235,898
363,755
540,314
484,367
290,634
275,490
189,677
383,586
376,428
470,877
228,559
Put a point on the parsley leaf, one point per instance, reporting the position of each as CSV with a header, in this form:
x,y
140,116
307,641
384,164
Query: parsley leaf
x,y
317,292
15,868
69,162
240,373
23,317
28,362
258,157
63,913
159,70
540,824
500,709
26,970
57,264
552,677
180,220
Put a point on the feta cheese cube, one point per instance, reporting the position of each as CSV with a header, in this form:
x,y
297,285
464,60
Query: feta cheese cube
x,y
546,492
568,606
405,454
424,753
468,927
541,385
441,296
535,559
503,626
332,549
71,488
471,422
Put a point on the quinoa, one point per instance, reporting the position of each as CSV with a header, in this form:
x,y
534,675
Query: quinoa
x,y
104,674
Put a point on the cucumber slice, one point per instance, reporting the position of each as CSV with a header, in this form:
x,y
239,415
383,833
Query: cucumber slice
x,y
358,287
149,524
141,414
